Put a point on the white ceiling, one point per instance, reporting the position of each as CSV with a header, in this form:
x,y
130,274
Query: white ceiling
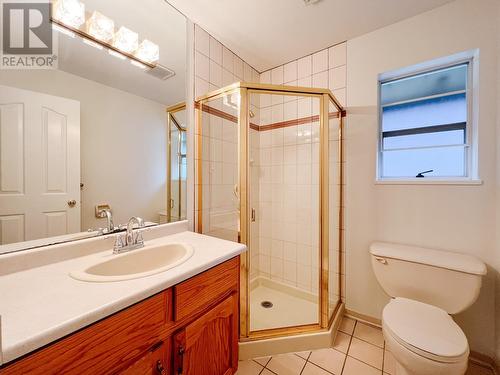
x,y
268,33
151,19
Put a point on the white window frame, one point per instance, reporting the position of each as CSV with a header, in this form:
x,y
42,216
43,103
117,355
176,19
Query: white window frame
x,y
472,94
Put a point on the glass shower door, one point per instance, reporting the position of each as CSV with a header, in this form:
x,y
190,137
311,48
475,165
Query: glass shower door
x,y
177,167
284,213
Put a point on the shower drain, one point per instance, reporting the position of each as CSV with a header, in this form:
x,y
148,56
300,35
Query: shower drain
x,y
266,304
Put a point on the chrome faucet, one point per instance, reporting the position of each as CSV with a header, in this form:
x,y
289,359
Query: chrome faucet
x,y
109,217
130,240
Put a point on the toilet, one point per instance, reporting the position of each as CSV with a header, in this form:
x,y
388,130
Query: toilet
x,y
426,286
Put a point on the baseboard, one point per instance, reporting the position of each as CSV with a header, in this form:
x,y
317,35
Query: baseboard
x,y
363,318
484,361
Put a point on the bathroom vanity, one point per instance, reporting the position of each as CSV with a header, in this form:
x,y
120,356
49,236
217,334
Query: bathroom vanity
x,y
183,320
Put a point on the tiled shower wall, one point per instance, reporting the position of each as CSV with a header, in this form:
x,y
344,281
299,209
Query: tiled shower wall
x,y
288,246
284,168
216,66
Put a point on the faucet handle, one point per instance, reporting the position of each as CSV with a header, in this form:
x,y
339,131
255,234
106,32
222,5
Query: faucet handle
x,y
139,239
118,242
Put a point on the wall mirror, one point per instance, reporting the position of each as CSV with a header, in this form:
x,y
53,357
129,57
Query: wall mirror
x,y
98,137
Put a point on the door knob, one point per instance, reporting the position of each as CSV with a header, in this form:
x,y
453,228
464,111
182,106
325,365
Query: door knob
x,y
72,203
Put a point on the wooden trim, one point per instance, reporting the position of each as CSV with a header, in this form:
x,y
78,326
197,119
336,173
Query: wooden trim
x,y
195,293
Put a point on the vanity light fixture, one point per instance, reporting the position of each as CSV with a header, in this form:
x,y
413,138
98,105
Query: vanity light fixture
x,y
117,54
99,31
126,40
92,43
148,51
64,31
138,64
101,27
69,12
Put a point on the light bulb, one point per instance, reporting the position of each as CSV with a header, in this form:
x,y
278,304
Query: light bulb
x,y
148,51
126,40
101,27
69,12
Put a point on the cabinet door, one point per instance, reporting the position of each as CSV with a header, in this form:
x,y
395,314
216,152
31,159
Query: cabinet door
x,y
209,345
154,362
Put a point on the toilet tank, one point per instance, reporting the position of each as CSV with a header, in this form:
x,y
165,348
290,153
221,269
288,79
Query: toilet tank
x,y
444,279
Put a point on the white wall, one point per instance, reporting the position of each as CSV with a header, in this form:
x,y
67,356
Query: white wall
x,y
123,144
458,218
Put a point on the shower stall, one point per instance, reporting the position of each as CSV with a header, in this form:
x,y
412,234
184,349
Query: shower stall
x,y
177,164
269,174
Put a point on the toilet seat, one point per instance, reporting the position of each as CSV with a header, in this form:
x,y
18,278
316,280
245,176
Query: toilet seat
x,y
425,330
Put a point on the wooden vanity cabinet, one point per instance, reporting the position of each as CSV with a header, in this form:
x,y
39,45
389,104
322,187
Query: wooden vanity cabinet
x,y
156,361
209,345
189,329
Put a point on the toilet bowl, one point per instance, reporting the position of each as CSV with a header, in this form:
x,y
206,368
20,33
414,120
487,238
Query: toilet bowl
x,y
426,286
424,339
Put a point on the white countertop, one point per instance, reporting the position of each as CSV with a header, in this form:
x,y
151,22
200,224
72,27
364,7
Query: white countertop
x,y
42,304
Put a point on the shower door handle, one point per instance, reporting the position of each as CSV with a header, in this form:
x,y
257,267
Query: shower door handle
x,y
253,215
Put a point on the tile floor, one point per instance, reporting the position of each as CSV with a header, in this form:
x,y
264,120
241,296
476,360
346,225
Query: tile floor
x,y
287,310
359,349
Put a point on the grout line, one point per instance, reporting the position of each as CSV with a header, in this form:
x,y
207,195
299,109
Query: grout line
x,y
383,358
305,364
324,369
368,342
357,359
348,347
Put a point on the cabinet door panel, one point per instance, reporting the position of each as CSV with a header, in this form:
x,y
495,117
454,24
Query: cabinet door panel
x,y
209,345
154,362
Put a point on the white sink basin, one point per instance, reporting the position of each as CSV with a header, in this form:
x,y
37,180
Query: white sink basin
x,y
143,262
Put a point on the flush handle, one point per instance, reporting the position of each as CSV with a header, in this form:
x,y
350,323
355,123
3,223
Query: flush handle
x,y
381,260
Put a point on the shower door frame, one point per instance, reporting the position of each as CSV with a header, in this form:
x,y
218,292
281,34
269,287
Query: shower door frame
x,y
325,97
171,121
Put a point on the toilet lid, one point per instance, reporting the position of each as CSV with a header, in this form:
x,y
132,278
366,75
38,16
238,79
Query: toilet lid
x,y
425,329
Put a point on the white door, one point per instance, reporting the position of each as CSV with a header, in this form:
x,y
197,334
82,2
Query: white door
x,y
39,165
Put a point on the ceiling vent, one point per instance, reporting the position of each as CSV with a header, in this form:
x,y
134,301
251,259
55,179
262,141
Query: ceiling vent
x,y
161,72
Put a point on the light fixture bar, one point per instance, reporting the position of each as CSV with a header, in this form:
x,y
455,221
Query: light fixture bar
x,y
110,47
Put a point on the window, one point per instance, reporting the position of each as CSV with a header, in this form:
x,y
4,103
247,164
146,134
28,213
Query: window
x,y
424,124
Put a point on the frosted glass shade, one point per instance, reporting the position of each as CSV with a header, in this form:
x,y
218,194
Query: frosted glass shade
x,y
70,12
101,27
126,40
148,51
